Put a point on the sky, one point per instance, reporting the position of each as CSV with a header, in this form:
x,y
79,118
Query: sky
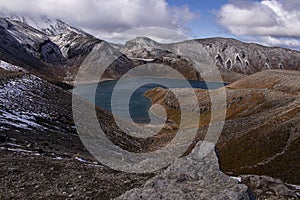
x,y
268,22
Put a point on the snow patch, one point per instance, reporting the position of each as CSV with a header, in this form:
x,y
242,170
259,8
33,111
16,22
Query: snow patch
x,y
19,120
143,59
297,187
12,144
9,67
239,179
81,159
16,150
17,89
91,164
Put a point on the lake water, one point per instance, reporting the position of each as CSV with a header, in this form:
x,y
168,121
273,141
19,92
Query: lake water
x,y
138,104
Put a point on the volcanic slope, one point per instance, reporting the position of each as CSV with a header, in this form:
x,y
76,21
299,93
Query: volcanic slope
x,y
262,129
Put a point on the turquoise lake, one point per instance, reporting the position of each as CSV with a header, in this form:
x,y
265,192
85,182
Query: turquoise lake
x,y
138,104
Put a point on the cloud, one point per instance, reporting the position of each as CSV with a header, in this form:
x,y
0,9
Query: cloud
x,y
101,16
268,17
162,35
287,42
274,41
276,21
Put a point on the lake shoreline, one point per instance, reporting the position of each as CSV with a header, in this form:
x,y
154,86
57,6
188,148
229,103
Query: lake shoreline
x,y
140,104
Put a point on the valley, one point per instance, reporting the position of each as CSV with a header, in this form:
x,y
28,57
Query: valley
x,y
43,156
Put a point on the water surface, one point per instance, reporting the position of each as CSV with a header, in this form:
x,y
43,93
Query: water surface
x,y
138,105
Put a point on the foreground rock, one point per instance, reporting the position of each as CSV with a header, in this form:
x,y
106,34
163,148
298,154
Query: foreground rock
x,y
191,177
269,188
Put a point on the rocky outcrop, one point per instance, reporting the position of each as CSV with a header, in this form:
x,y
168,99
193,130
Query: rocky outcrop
x,y
153,52
191,177
142,47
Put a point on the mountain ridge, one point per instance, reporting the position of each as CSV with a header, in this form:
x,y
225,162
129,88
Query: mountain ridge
x,y
56,50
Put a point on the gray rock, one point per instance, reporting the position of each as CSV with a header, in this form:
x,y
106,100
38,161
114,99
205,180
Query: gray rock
x,y
266,187
191,177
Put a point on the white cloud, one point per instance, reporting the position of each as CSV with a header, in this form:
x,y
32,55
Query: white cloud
x,y
276,21
107,17
274,41
268,17
161,35
281,41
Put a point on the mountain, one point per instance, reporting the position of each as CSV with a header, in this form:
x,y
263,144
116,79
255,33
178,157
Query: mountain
x,y
41,53
54,50
234,58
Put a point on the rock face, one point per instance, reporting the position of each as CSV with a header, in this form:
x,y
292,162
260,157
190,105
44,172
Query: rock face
x,y
248,58
191,177
153,52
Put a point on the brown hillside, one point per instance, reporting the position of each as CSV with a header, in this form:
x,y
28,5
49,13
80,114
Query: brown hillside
x,y
262,130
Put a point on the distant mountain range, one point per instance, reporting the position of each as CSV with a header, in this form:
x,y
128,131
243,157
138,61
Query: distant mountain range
x,y
55,50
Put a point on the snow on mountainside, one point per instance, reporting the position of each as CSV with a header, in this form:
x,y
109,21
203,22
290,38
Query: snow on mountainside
x,y
44,24
29,48
10,67
23,108
40,149
47,48
54,50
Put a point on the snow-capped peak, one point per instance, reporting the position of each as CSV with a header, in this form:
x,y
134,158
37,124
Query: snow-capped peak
x,y
45,24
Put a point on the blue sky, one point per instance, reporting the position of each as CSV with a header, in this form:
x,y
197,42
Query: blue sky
x,y
205,25
268,22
